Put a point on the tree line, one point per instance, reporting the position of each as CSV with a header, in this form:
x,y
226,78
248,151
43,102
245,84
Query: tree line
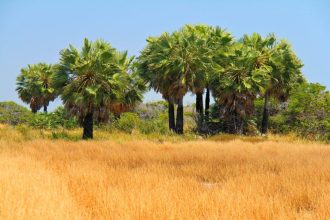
x,y
201,59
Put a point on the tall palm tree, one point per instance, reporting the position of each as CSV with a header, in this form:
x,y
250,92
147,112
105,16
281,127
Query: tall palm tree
x,y
286,71
198,50
170,65
162,65
153,70
35,86
92,81
203,43
220,44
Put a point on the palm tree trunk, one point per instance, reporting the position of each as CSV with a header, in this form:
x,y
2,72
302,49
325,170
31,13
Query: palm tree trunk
x,y
207,104
179,117
171,117
199,103
199,106
234,124
45,109
88,126
33,105
265,115
239,124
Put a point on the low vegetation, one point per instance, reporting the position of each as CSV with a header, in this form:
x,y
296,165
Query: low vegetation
x,y
305,114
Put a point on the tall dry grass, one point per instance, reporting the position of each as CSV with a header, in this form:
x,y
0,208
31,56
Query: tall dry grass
x,y
234,179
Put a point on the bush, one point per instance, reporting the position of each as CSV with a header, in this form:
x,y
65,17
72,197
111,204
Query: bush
x,y
127,122
307,113
156,125
56,119
151,110
13,114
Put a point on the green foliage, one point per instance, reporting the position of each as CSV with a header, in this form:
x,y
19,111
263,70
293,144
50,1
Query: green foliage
x,y
151,109
286,70
13,114
35,86
128,122
245,75
307,113
156,125
178,62
97,80
60,135
58,119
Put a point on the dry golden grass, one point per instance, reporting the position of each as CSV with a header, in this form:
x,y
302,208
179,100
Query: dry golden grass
x,y
201,179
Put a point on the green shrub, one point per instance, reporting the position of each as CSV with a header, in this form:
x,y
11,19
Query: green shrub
x,y
13,114
127,122
307,113
60,135
151,110
56,119
157,125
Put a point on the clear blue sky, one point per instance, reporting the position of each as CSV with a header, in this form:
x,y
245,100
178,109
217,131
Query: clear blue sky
x,y
35,31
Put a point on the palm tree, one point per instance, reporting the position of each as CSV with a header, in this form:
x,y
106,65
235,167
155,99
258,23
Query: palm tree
x,y
162,66
152,69
92,81
197,36
220,43
236,86
203,43
286,71
35,86
134,86
171,64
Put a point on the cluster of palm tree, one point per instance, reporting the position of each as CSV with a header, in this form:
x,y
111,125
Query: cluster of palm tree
x,y
199,59
181,62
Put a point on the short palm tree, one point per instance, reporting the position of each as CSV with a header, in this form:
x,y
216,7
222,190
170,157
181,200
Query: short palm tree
x,y
134,86
92,81
35,86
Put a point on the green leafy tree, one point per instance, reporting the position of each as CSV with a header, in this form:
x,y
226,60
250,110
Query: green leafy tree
x,y
35,86
307,112
93,81
13,114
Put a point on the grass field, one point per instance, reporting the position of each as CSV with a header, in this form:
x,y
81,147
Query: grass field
x,y
157,179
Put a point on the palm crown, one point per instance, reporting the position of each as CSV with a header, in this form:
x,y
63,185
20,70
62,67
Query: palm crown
x,y
96,79
35,86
